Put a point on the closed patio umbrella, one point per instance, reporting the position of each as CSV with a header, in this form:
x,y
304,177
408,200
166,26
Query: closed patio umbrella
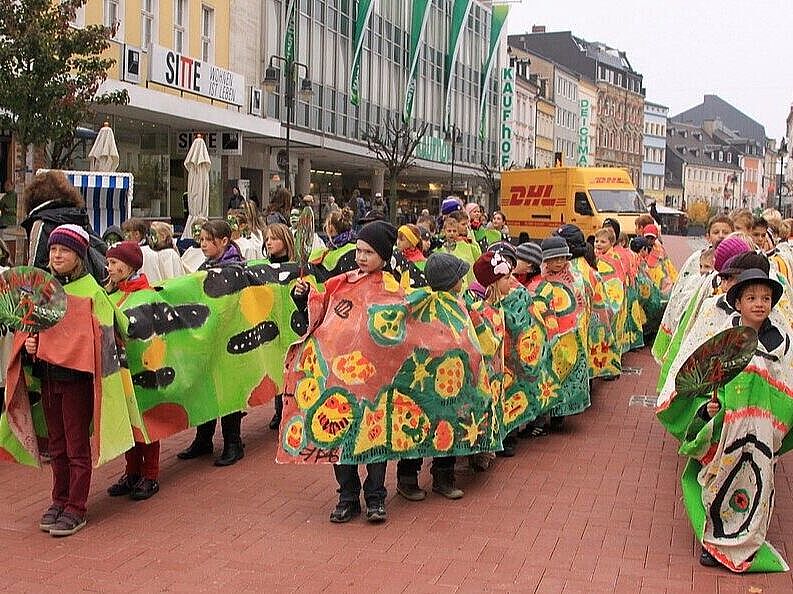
x,y
104,153
198,165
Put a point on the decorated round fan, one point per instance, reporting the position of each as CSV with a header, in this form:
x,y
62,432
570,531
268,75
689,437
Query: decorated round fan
x,y
31,299
304,237
716,362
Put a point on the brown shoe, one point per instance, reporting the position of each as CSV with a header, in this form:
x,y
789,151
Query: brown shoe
x,y
67,525
50,517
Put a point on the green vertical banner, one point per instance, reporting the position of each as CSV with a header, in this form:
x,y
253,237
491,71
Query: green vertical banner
x,y
290,28
418,24
361,19
498,19
460,11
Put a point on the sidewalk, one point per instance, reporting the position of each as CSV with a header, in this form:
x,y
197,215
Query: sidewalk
x,y
595,508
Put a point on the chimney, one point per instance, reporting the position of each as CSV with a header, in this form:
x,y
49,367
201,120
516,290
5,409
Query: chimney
x,y
538,29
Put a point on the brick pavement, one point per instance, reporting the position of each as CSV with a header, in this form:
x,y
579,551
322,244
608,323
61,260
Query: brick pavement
x,y
595,508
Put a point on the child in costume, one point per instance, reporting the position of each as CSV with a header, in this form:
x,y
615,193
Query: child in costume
x,y
193,257
659,267
529,261
718,228
409,243
374,248
138,231
733,443
219,250
499,223
280,247
444,272
168,260
742,220
707,260
72,392
139,481
625,324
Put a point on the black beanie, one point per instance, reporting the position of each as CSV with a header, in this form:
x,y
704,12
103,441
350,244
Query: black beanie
x,y
381,236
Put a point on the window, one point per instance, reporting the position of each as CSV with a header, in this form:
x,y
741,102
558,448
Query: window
x,y
207,33
180,20
114,16
148,22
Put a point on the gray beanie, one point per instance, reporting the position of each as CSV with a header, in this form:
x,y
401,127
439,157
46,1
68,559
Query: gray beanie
x,y
530,252
554,247
444,270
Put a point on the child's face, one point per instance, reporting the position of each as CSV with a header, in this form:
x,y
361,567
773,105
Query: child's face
x,y
366,258
504,284
706,266
462,228
63,261
118,270
759,236
717,232
522,267
555,265
475,214
602,244
754,304
450,229
498,221
402,243
742,228
275,246
212,248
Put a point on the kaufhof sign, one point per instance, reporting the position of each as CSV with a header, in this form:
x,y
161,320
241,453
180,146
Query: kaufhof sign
x,y
175,70
507,100
583,133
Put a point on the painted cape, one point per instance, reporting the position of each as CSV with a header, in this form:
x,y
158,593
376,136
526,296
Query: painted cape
x,y
89,313
384,374
728,481
626,313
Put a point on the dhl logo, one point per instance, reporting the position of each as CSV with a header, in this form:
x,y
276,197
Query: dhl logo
x,y
534,195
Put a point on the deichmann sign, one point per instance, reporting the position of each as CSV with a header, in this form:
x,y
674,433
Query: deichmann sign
x,y
583,134
177,71
507,96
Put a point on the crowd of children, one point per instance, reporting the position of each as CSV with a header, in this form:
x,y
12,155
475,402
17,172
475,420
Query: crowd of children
x,y
546,319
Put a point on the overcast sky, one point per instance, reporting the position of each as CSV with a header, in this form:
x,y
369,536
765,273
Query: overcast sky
x,y
741,51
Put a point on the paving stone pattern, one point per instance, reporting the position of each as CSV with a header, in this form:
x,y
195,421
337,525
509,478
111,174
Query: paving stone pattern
x,y
595,508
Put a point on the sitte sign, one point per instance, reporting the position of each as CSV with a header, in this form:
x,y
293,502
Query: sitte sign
x,y
507,95
177,71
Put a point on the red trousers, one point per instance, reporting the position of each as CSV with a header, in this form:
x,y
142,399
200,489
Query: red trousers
x,y
68,410
144,460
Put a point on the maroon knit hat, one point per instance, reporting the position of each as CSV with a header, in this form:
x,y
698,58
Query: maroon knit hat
x,y
129,253
490,267
732,246
73,237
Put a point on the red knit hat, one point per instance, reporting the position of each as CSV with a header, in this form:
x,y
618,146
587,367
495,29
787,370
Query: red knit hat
x,y
490,267
129,253
650,231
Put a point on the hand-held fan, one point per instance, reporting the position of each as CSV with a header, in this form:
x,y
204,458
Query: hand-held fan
x,y
31,300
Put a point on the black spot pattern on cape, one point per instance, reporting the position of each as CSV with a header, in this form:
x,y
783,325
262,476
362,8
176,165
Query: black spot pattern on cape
x,y
154,379
298,323
110,357
161,318
250,339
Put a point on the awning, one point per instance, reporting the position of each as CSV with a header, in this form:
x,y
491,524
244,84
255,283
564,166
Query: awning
x,y
665,210
108,196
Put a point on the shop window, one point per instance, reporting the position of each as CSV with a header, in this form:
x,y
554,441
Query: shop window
x,y
207,33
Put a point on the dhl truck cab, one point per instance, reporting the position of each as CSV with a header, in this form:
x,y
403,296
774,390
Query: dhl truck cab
x,y
539,201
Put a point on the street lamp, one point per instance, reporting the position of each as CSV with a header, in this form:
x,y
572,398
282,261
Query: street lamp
x,y
454,135
781,153
270,83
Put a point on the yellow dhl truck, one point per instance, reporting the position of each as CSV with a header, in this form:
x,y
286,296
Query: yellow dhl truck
x,y
539,201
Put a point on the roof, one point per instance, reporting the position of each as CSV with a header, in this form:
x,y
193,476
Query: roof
x,y
714,107
684,146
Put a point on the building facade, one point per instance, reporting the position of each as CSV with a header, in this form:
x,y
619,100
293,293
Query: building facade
x,y
525,124
245,126
620,98
654,141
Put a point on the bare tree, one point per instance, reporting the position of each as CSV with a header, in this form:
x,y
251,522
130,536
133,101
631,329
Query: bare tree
x,y
492,183
394,144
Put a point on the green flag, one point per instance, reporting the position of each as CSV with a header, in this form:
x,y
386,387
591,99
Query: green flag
x,y
418,23
362,18
290,28
497,21
460,11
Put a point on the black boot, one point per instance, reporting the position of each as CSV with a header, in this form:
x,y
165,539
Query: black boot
x,y
275,422
198,448
443,483
232,451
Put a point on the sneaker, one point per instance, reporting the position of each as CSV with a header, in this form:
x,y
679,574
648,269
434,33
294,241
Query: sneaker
x,y
124,486
345,511
67,525
50,517
145,488
376,513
